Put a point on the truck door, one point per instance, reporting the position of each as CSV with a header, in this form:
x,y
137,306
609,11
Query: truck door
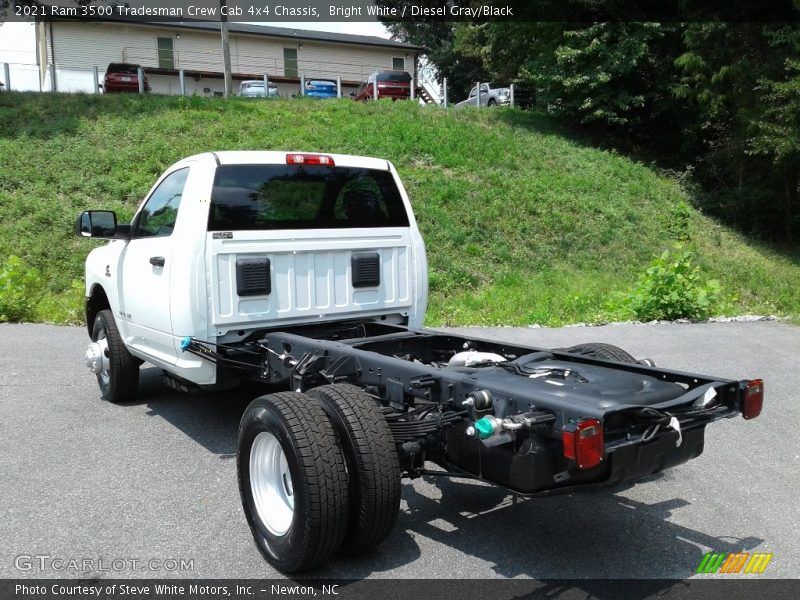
x,y
473,96
484,94
146,268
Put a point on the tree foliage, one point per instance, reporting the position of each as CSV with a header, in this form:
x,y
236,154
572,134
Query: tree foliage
x,y
718,99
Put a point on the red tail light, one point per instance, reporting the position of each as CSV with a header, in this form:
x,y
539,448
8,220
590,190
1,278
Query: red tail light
x,y
753,399
583,443
309,159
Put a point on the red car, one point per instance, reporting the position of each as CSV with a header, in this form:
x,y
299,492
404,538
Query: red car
x,y
391,84
123,77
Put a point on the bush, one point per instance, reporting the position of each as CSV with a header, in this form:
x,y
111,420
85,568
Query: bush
x,y
671,288
18,290
65,307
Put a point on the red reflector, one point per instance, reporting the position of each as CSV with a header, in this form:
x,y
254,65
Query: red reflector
x,y
753,399
583,443
309,159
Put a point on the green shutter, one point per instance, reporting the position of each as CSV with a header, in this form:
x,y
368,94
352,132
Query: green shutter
x,y
290,62
166,54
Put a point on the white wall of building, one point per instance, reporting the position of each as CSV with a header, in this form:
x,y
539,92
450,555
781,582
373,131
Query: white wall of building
x,y
81,46
18,50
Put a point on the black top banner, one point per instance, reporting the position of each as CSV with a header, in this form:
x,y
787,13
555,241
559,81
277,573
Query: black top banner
x,y
404,10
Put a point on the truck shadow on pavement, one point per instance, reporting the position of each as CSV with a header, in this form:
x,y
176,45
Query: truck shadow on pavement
x,y
601,535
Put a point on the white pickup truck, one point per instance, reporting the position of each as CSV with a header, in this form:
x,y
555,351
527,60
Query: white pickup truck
x,y
306,273
207,256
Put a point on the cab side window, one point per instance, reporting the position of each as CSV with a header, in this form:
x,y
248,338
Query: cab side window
x,y
157,217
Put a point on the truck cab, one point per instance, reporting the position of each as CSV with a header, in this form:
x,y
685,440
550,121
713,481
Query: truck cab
x,y
227,244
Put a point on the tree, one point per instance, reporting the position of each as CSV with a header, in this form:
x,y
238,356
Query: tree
x,y
777,130
734,79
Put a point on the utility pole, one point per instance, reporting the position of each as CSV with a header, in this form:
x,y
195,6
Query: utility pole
x,y
226,49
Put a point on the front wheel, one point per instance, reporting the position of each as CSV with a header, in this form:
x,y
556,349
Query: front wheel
x,y
292,480
107,357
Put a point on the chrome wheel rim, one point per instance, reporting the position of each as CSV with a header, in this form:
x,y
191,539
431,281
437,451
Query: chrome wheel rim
x,y
97,358
271,484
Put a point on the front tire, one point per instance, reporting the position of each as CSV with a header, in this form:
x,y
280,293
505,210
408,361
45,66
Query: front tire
x,y
118,373
372,464
292,481
603,351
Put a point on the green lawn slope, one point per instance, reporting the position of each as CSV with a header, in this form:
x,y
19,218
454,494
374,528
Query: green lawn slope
x,y
523,224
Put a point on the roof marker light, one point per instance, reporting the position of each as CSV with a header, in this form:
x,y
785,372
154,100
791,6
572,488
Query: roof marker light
x,y
310,159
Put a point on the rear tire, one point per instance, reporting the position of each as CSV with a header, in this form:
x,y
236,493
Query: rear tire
x,y
292,481
372,463
603,351
120,381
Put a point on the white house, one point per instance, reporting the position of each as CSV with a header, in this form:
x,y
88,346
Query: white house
x,y
163,49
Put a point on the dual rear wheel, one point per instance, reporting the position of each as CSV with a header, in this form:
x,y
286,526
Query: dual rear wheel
x,y
318,474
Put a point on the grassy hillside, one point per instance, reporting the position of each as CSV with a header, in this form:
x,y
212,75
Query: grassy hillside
x,y
523,224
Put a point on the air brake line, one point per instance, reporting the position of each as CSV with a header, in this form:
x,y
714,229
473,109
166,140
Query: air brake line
x,y
201,349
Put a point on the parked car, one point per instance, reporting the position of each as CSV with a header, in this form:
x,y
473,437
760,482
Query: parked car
x,y
123,77
320,88
255,89
493,94
391,84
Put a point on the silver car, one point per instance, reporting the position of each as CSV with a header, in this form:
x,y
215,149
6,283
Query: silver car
x,y
491,95
255,89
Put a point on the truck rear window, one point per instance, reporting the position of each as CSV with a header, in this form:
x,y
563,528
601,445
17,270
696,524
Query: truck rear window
x,y
303,197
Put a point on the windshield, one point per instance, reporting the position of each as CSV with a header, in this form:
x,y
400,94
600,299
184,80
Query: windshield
x,y
122,68
303,197
394,76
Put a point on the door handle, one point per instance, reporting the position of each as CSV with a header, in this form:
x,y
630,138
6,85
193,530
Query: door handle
x,y
157,261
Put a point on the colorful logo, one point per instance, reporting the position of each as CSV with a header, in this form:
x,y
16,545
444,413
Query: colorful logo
x,y
734,562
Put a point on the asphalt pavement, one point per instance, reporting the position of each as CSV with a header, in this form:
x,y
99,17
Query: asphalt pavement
x,y
144,487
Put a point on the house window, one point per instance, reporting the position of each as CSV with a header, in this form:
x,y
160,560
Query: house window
x,y
166,53
290,62
398,63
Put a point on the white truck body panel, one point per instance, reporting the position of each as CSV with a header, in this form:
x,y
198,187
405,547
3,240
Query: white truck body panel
x,y
194,294
311,276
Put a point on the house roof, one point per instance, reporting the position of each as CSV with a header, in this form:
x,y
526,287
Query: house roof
x,y
300,34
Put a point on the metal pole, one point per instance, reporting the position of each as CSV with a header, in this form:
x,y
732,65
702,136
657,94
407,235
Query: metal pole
x,y
478,97
53,85
96,76
182,79
226,48
413,85
266,85
444,91
511,95
375,83
140,72
7,73
338,87
302,85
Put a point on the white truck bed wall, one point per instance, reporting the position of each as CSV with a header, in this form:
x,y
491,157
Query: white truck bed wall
x,y
311,276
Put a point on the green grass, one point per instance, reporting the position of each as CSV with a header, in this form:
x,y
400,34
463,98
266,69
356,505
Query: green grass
x,y
523,223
